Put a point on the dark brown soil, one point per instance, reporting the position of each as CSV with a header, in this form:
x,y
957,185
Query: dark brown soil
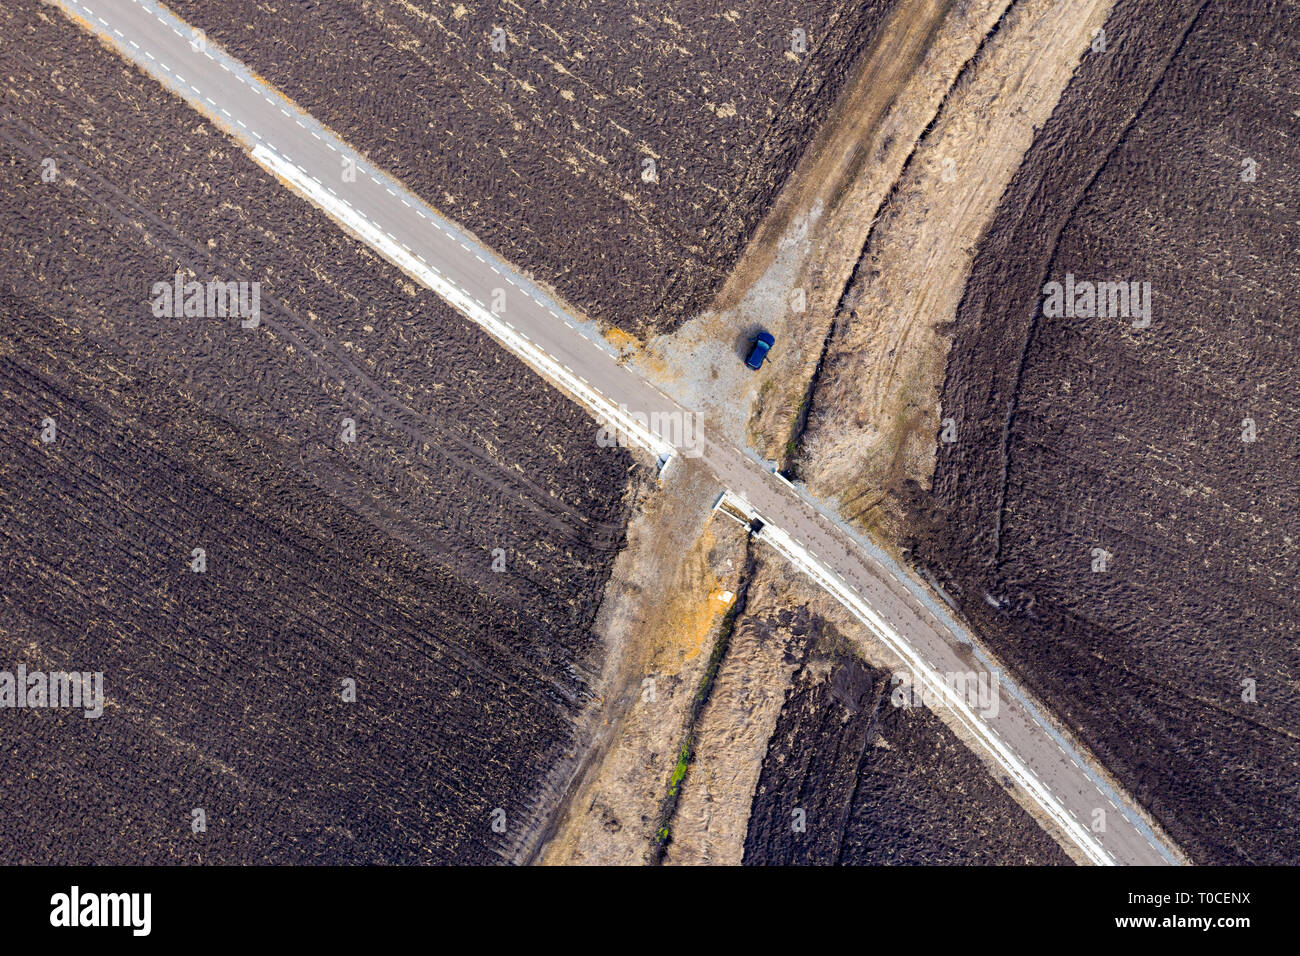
x,y
1084,433
326,561
877,784
554,183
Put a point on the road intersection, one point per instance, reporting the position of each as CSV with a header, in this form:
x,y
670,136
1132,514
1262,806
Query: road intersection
x,y
1019,738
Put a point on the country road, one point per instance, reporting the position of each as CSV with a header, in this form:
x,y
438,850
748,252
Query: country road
x,y
571,353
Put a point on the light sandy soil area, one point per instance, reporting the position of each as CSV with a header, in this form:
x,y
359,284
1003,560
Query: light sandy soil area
x,y
666,599
733,731
875,411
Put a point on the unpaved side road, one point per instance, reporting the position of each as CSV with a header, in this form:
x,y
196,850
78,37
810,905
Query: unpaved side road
x,y
795,269
875,415
734,730
663,606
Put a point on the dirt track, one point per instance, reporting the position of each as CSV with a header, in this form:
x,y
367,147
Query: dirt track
x,y
661,614
875,408
793,273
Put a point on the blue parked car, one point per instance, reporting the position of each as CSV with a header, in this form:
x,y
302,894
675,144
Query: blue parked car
x,y
759,352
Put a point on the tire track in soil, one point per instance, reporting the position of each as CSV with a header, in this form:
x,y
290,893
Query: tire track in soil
x,y
1102,160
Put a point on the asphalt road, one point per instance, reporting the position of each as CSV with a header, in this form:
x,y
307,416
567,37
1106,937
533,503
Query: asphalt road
x,y
378,210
